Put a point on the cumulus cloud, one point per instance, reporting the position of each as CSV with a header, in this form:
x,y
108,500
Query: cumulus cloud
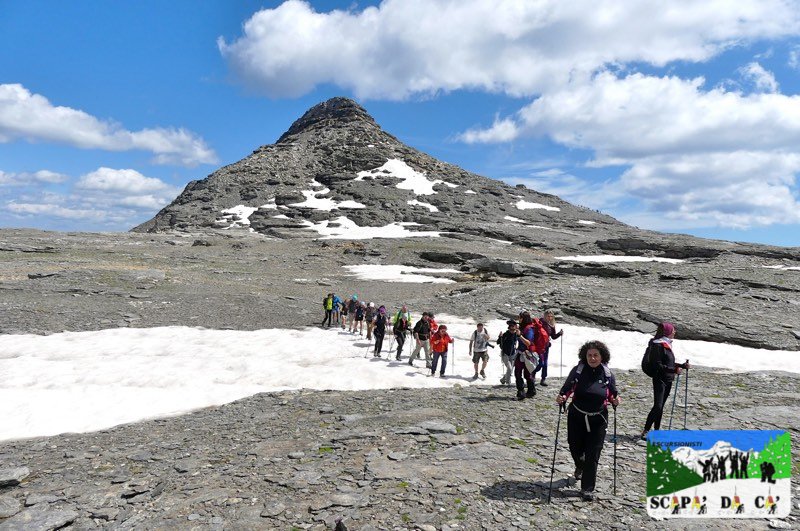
x,y
31,117
109,199
26,178
761,78
406,47
708,157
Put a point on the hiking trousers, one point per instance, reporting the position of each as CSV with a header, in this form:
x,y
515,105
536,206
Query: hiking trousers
x,y
523,375
423,344
585,446
400,337
661,390
328,317
436,356
509,367
378,340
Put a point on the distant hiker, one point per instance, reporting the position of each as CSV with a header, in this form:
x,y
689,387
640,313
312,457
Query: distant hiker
x,y
592,386
369,317
523,374
327,305
508,348
343,312
422,335
662,361
548,321
478,345
352,305
400,326
359,318
440,343
380,330
432,321
337,305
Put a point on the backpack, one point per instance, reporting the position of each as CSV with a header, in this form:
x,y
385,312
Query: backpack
x,y
648,367
541,339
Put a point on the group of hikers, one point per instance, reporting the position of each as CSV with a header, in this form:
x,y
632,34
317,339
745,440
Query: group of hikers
x,y
524,351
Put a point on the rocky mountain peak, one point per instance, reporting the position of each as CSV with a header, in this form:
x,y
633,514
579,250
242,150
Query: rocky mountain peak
x,y
331,113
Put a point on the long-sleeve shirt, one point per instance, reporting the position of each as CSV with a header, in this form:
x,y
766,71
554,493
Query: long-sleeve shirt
x,y
440,342
662,358
591,389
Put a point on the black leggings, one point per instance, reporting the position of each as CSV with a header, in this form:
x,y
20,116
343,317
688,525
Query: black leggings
x,y
401,340
328,317
661,390
378,334
585,446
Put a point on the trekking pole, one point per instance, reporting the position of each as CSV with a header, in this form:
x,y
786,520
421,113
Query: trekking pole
x,y
672,412
615,449
368,349
453,361
561,408
686,397
561,369
391,344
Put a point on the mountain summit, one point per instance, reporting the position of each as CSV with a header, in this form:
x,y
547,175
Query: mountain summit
x,y
335,173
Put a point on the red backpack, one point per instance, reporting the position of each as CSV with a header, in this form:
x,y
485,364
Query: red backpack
x,y
541,339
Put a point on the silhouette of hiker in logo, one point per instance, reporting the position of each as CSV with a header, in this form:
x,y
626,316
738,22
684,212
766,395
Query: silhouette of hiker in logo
x,y
735,465
721,460
706,469
772,504
744,459
675,505
714,472
703,508
737,503
767,471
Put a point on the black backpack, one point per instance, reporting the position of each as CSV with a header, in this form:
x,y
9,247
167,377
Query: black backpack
x,y
648,367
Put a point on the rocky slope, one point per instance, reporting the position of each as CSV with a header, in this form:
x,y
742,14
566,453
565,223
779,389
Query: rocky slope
x,y
445,459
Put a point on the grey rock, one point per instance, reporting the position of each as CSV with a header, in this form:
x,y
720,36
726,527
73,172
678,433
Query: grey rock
x,y
434,426
39,518
273,509
34,499
297,455
9,506
397,456
10,477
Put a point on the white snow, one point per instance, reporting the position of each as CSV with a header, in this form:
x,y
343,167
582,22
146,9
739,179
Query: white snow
x,y
527,205
281,216
586,222
323,203
400,273
83,381
343,228
239,216
429,206
471,192
607,258
515,220
783,267
411,179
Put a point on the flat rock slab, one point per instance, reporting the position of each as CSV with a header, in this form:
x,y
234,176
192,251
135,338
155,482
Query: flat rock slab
x,y
780,417
39,519
10,477
9,506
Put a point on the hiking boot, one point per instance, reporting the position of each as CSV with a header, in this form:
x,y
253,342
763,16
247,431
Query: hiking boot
x,y
483,374
441,375
397,358
475,376
578,473
531,391
587,495
520,394
503,380
643,436
542,383
410,362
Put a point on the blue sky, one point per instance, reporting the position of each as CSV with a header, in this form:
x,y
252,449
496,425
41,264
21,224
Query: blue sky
x,y
684,119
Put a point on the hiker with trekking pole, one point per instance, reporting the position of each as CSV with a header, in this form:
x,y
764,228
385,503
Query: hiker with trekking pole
x,y
440,343
659,364
593,387
400,327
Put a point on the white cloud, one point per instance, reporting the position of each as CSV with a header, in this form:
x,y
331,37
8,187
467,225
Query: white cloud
x,y
112,199
406,47
794,58
26,178
28,116
763,79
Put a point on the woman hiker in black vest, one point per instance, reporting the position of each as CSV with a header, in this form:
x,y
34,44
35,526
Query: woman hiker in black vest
x,y
592,386
663,360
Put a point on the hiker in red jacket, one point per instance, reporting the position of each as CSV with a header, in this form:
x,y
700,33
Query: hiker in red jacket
x,y
548,321
440,342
